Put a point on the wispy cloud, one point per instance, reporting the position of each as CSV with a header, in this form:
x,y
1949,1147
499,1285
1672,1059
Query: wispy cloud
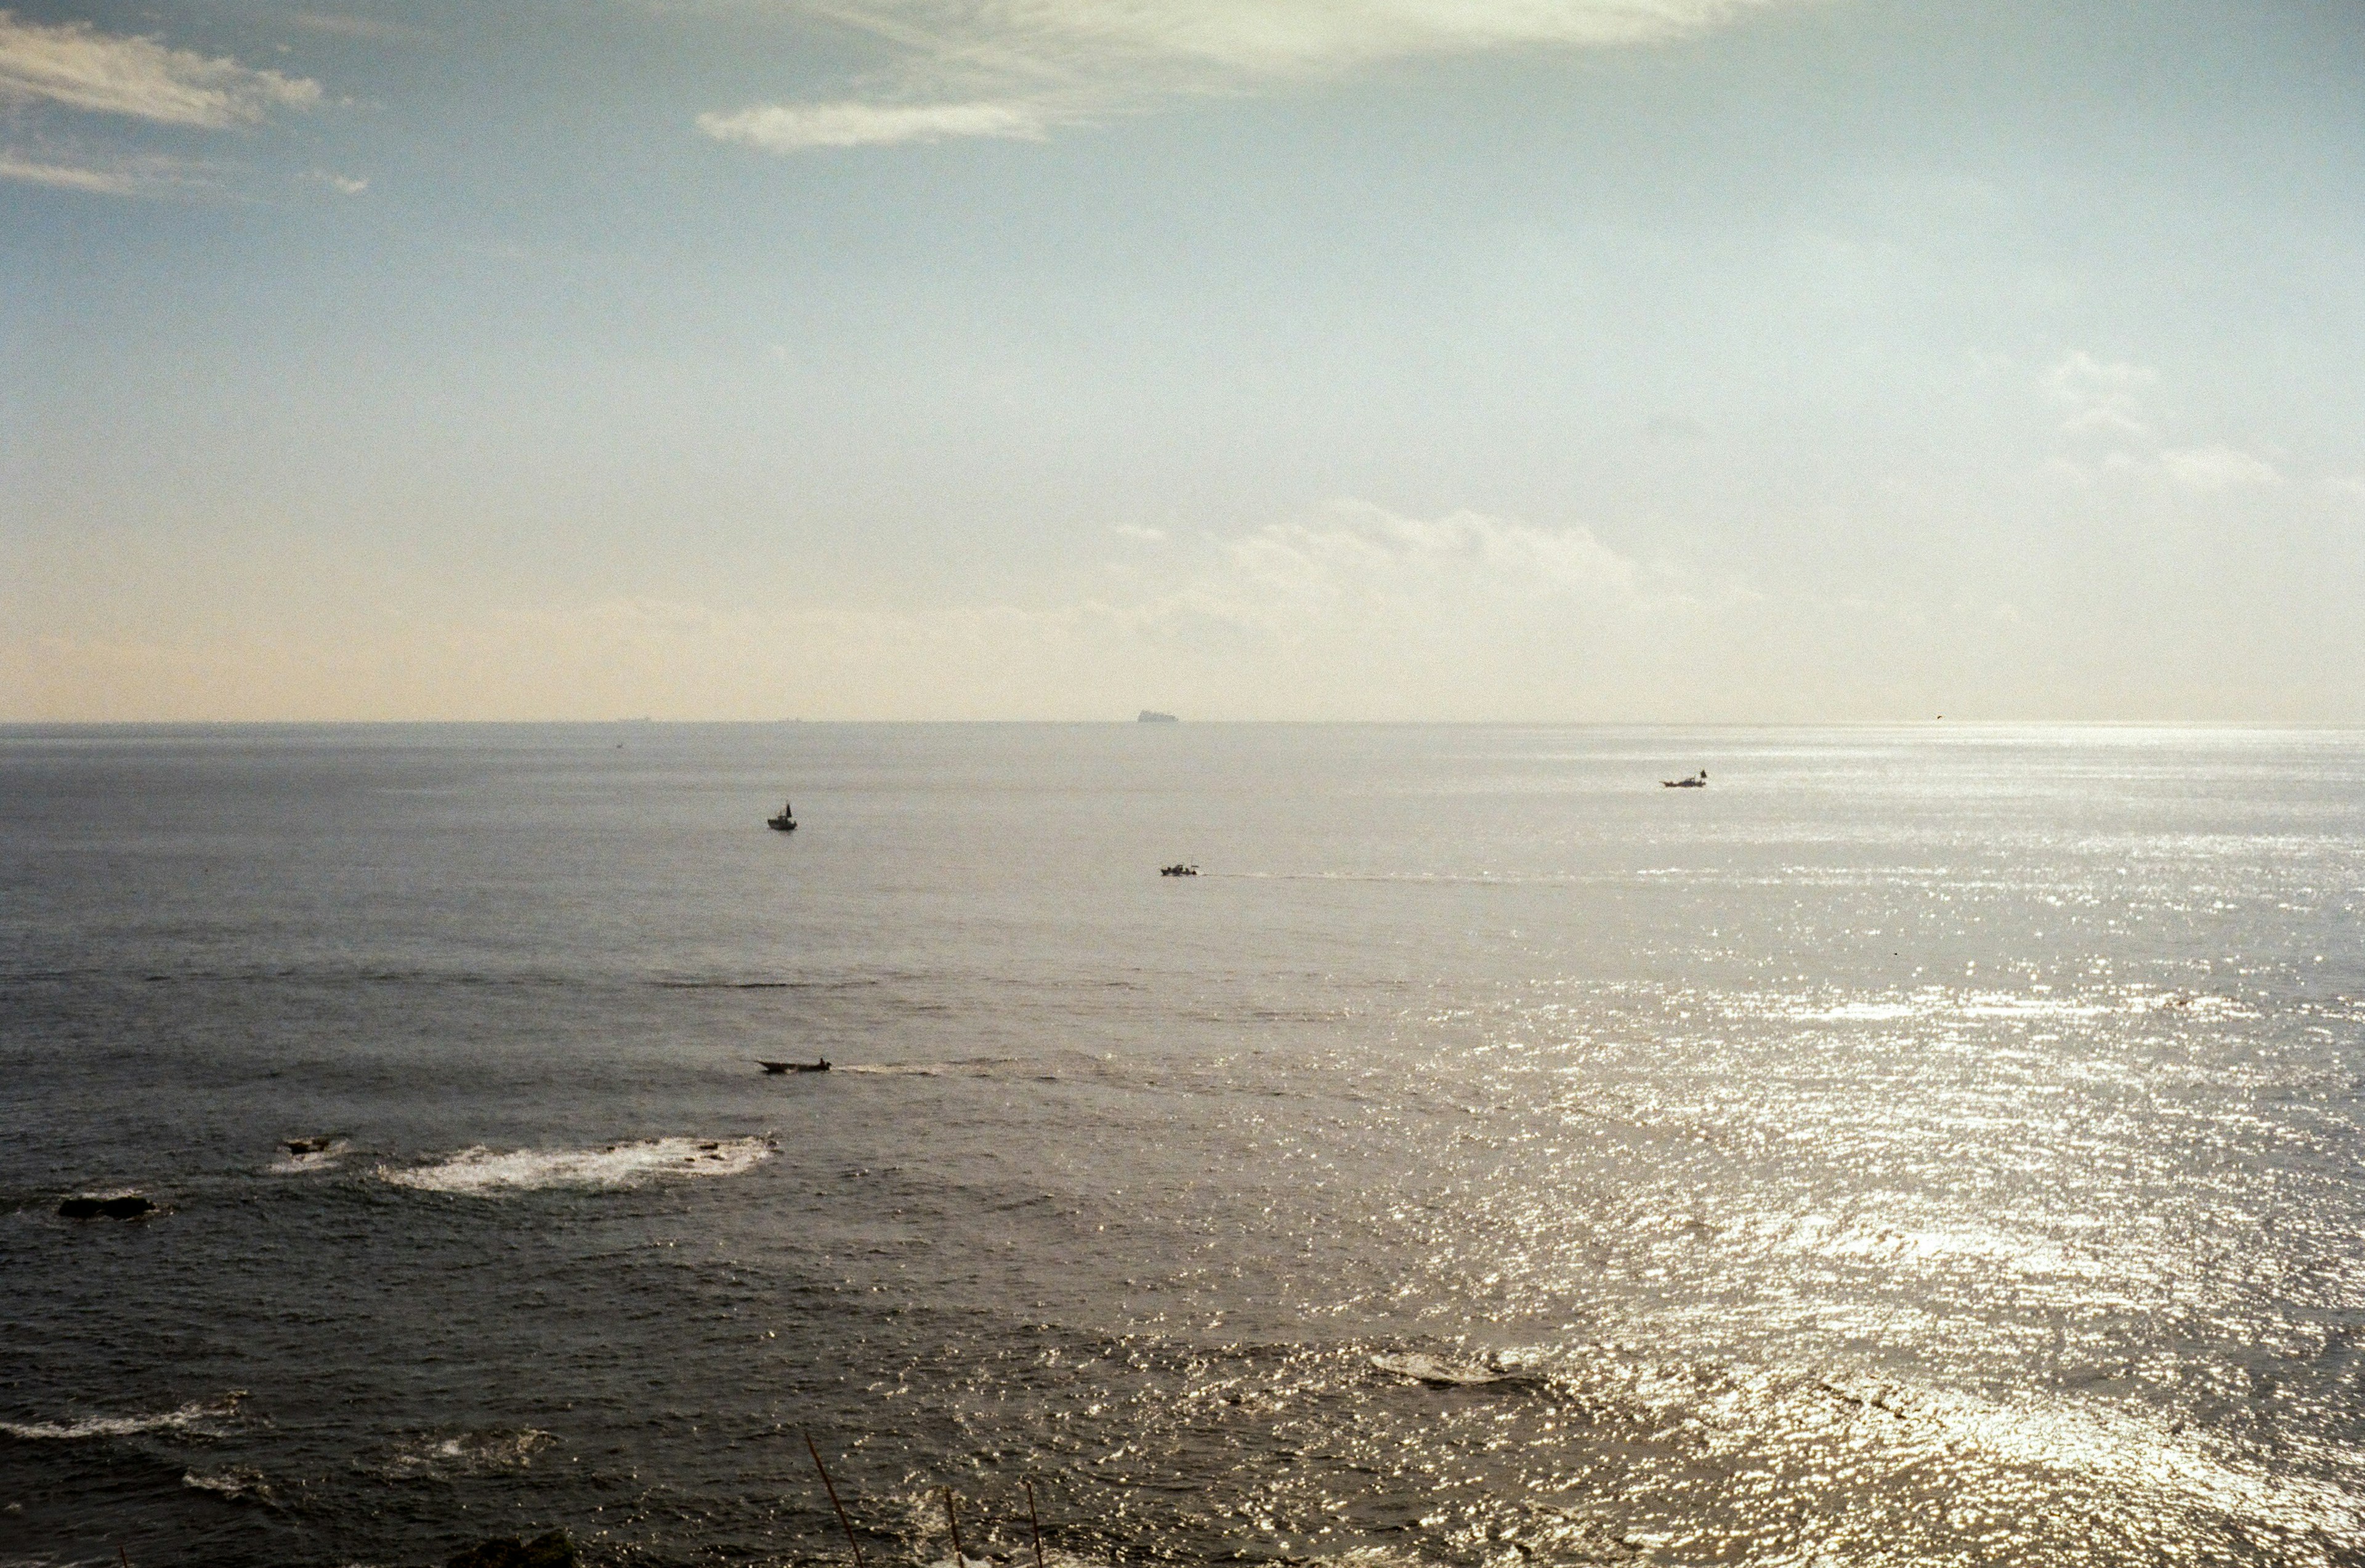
x,y
1265,37
1349,611
373,29
2104,404
1364,570
2100,395
2217,467
76,66
113,173
66,177
791,128
1020,68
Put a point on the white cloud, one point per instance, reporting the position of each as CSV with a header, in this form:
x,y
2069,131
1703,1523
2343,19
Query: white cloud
x,y
372,29
348,185
2217,468
75,65
1351,612
1274,36
1364,570
66,177
793,127
2106,404
2102,396
1019,68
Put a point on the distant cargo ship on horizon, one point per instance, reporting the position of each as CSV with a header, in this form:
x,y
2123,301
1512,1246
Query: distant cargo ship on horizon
x,y
1152,716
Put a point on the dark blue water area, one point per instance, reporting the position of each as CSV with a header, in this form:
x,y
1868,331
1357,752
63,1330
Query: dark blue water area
x,y
1923,1145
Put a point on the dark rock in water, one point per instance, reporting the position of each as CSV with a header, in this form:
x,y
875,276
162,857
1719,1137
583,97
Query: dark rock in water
x,y
132,1206
308,1145
555,1550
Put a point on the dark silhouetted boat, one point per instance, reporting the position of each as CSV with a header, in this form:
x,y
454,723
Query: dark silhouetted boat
x,y
819,1064
785,821
1697,781
1178,869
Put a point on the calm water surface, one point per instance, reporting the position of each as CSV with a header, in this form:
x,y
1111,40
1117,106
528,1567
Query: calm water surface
x,y
1923,1146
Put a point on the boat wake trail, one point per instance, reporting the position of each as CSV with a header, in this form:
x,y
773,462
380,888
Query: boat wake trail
x,y
971,1067
481,1171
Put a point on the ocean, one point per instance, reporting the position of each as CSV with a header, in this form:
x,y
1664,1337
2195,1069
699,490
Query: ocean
x,y
1924,1145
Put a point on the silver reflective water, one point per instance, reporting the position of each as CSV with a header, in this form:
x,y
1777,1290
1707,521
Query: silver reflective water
x,y
1920,1146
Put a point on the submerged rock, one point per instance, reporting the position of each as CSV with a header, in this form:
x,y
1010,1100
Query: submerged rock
x,y
129,1205
555,1550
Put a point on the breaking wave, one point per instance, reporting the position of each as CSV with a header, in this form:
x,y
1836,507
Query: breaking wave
x,y
296,1163
468,1453
237,1485
1439,1369
485,1170
197,1416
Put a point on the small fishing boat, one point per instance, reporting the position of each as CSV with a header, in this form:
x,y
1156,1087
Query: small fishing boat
x,y
1697,781
819,1064
1178,869
785,821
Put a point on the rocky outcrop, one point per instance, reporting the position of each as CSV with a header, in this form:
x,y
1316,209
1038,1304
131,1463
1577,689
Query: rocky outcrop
x,y
125,1206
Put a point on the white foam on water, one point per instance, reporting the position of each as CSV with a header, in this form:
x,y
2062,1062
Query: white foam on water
x,y
318,1159
470,1453
1437,1368
238,1485
187,1417
482,1171
1371,1557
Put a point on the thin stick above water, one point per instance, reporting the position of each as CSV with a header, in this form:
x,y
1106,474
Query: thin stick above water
x,y
844,1523
1034,1524
960,1558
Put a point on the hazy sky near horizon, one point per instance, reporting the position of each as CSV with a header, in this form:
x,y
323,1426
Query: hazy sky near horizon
x,y
1362,359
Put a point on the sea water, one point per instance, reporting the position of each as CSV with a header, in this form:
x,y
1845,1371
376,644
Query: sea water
x,y
1928,1145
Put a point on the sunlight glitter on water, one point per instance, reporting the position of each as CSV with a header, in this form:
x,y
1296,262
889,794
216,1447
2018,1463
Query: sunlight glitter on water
x,y
1506,1168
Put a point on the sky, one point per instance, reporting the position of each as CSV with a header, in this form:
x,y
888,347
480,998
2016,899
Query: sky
x,y
1681,361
